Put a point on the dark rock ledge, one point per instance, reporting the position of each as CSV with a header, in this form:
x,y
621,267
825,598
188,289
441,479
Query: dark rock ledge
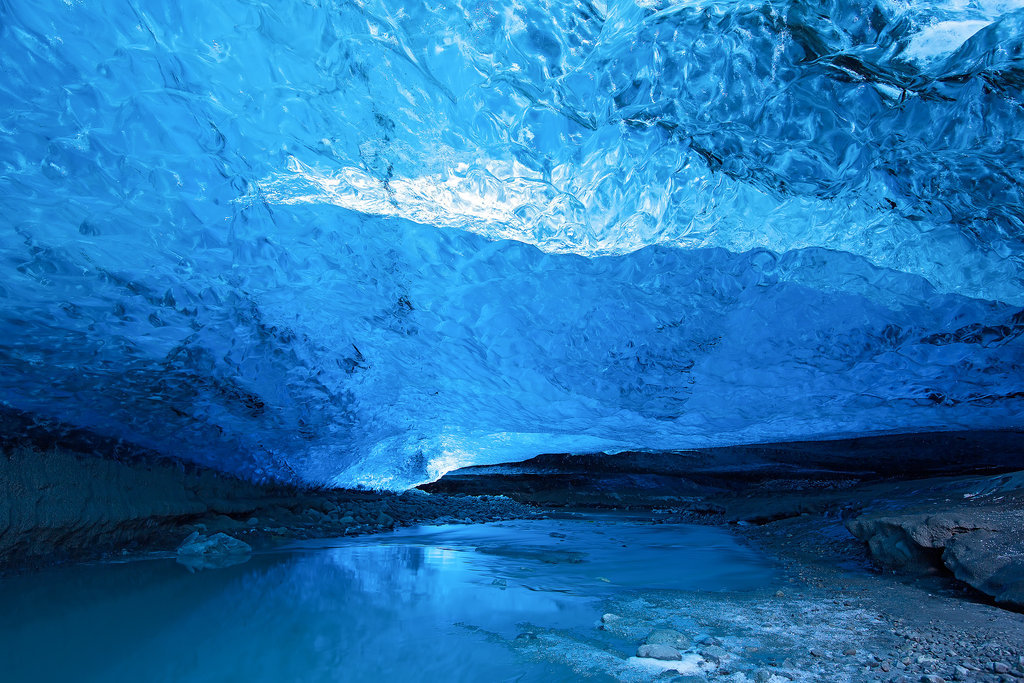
x,y
59,505
981,546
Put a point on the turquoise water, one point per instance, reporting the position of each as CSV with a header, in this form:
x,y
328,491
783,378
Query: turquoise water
x,y
426,603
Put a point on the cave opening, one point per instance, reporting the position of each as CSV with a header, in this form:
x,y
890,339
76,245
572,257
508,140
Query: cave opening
x,y
549,340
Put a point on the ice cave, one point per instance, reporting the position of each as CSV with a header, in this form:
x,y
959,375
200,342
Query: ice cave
x,y
535,340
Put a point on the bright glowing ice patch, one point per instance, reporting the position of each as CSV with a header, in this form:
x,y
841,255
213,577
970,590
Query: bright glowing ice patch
x,y
485,201
941,39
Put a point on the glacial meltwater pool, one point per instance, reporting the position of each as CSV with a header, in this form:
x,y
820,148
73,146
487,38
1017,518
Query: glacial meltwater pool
x,y
439,603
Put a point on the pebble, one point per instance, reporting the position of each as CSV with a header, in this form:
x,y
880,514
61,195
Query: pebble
x,y
815,652
849,652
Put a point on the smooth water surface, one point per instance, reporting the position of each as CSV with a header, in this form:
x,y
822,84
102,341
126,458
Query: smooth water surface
x,y
428,603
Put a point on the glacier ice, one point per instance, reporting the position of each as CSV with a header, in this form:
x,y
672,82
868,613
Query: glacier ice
x,y
369,242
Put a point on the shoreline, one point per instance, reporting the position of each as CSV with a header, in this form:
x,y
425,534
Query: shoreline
x,y
919,620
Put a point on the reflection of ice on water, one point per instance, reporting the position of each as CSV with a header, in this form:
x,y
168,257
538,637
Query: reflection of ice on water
x,y
419,604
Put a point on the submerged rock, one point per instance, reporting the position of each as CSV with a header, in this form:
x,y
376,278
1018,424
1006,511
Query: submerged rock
x,y
211,552
546,555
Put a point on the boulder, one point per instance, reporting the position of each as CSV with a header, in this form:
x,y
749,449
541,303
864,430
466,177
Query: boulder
x,y
662,652
667,636
217,544
992,563
209,552
912,542
982,548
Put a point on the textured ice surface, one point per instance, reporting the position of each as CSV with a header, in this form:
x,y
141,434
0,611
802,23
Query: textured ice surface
x,y
369,242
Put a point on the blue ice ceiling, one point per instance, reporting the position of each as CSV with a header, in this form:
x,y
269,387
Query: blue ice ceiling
x,y
366,243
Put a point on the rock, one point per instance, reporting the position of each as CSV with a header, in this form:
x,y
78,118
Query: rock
x,y
666,636
815,652
993,563
762,676
903,541
1000,668
932,678
849,652
609,618
662,652
217,544
960,673
984,549
212,552
714,654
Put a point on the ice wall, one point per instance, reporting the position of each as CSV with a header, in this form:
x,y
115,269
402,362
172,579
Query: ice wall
x,y
369,242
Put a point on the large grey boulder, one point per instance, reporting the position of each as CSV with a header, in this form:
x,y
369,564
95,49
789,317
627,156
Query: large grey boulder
x,y
983,548
993,563
912,542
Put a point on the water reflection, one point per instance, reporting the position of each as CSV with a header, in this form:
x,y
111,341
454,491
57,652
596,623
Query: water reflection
x,y
427,604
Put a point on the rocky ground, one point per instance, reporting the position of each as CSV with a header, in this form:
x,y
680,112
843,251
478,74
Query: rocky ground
x,y
801,633
833,615
925,626
967,528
